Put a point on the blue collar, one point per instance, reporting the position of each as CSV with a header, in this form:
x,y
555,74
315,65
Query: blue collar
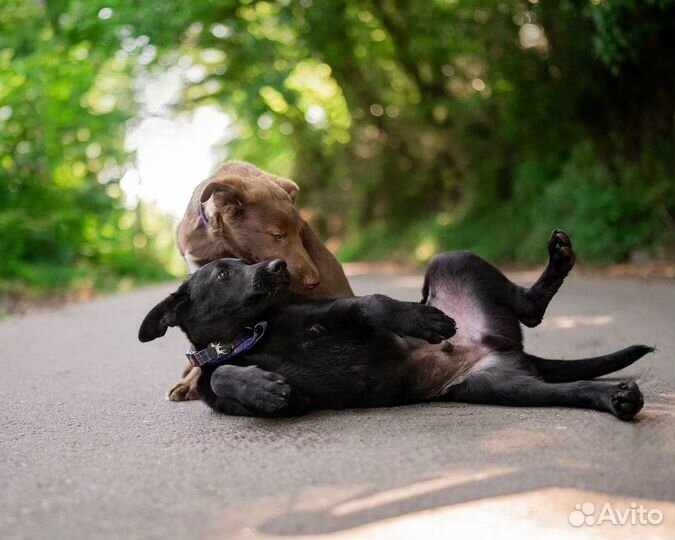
x,y
216,354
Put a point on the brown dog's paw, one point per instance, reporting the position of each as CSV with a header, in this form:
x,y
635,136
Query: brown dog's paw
x,y
186,388
183,392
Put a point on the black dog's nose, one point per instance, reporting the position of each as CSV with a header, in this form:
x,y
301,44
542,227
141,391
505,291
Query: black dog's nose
x,y
276,266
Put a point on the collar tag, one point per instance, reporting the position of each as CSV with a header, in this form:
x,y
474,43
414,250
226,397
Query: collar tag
x,y
218,353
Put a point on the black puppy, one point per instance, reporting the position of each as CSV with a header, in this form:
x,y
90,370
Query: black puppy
x,y
374,351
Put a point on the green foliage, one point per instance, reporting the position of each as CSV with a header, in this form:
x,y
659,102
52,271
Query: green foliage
x,y
611,213
62,219
411,126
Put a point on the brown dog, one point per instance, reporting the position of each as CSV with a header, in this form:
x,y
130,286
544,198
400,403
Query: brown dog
x,y
245,213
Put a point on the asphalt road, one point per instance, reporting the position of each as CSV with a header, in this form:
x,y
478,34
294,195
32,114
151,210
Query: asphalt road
x,y
90,449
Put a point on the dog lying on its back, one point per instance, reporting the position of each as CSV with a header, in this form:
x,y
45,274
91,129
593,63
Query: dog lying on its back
x,y
246,213
374,351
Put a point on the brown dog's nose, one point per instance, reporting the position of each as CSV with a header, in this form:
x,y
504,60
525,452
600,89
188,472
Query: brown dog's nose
x,y
276,266
311,282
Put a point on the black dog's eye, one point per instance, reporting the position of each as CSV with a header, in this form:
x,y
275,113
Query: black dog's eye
x,y
223,275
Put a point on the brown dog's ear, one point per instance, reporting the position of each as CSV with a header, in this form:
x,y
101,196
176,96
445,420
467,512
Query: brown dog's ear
x,y
288,186
163,315
227,191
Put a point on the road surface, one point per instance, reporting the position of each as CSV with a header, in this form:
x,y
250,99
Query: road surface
x,y
90,449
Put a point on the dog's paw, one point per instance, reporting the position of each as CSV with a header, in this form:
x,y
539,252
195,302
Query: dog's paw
x,y
269,394
560,251
183,391
432,325
255,388
626,400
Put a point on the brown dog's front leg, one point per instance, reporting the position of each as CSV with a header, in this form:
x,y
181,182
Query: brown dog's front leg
x,y
186,388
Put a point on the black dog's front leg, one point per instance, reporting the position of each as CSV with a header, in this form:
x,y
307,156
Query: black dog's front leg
x,y
405,318
251,391
252,387
244,391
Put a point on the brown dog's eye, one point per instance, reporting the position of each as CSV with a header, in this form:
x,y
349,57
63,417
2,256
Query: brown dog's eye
x,y
278,235
223,275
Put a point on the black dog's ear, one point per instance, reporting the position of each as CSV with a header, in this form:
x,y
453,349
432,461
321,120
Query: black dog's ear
x,y
162,316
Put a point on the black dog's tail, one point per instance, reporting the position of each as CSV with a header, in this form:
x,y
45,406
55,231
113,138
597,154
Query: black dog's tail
x,y
556,371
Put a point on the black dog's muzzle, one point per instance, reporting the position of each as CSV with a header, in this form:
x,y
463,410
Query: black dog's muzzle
x,y
272,278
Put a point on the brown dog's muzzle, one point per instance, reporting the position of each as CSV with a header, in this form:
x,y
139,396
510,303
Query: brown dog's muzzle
x,y
310,278
303,270
311,282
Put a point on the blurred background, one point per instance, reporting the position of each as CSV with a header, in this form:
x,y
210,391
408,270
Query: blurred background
x,y
411,126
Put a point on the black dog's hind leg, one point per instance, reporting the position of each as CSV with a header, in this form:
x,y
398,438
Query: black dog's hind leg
x,y
530,304
515,388
466,271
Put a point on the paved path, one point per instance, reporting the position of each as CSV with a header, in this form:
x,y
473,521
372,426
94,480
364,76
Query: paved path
x,y
89,448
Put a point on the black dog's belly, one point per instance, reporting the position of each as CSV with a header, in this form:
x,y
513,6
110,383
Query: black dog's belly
x,y
344,373
330,360
324,372
472,291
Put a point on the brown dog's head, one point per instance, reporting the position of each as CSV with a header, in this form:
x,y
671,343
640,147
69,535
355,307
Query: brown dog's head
x,y
255,212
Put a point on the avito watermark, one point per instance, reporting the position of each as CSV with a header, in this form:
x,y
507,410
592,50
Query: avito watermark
x,y
635,514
